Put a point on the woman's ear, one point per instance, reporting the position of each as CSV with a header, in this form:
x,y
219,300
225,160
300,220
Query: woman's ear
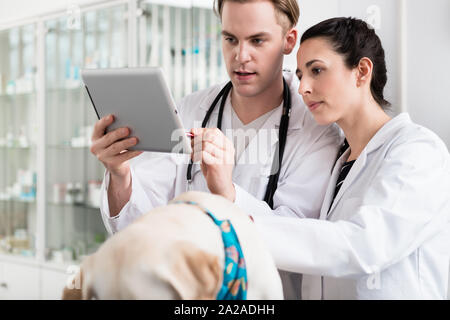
x,y
290,40
364,71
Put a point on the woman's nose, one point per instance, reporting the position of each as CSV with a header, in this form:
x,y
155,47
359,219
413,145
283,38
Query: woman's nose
x,y
304,87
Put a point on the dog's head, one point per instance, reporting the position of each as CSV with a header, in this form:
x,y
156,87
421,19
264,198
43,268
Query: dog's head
x,y
186,272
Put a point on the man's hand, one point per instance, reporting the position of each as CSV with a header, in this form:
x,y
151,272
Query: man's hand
x,y
215,152
110,149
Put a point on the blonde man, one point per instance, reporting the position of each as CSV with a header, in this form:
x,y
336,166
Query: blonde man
x,y
255,37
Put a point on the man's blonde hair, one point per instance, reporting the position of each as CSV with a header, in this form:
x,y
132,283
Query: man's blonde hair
x,y
283,8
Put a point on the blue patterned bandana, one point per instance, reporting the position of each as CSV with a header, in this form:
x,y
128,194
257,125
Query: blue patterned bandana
x,y
234,286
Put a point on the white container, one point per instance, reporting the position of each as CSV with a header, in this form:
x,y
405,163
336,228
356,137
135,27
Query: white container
x,y
69,199
59,193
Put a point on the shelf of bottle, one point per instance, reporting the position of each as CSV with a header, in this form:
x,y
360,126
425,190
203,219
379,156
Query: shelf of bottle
x,y
32,147
18,95
65,89
73,205
67,147
18,200
59,204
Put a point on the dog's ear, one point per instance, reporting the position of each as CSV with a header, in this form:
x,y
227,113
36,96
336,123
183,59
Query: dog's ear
x,y
194,273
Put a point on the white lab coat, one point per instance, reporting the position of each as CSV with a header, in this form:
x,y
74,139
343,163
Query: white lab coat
x,y
309,155
387,233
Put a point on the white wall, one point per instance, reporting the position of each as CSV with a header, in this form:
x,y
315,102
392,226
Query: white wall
x,y
314,11
428,64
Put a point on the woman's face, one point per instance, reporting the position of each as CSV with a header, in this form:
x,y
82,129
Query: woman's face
x,y
327,85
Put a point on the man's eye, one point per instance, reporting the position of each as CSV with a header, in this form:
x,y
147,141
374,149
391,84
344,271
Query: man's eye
x,y
316,71
258,41
231,40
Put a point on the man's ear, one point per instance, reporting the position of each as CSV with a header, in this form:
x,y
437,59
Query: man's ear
x,y
290,40
364,71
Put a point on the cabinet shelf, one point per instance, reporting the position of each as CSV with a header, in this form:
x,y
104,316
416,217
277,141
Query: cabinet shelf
x,y
64,89
66,147
73,205
17,95
19,201
58,111
18,148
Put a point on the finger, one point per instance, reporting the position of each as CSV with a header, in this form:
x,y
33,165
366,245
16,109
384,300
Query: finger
x,y
112,137
121,158
221,157
200,146
198,131
196,155
101,125
217,137
117,147
213,150
209,159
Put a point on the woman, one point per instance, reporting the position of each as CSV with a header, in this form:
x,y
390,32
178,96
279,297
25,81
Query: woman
x,y
384,227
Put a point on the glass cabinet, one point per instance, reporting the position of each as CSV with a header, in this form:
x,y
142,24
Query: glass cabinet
x,y
185,41
51,147
17,141
73,222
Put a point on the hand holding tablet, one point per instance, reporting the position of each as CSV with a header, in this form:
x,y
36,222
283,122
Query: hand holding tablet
x,y
140,100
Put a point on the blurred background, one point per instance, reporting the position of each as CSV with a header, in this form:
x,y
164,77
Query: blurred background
x,y
49,181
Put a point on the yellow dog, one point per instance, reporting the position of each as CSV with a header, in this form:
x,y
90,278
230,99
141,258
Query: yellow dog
x,y
177,252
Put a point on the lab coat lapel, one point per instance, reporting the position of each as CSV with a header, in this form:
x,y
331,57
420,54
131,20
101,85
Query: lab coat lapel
x,y
354,171
332,185
377,141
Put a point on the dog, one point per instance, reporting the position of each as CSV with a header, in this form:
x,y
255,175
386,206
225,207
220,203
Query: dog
x,y
177,252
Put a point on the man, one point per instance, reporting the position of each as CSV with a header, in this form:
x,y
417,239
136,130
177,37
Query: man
x,y
255,37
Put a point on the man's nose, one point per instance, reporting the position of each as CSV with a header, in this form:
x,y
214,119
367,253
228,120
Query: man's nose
x,y
243,53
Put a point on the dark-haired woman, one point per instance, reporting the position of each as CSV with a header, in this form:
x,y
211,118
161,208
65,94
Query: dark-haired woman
x,y
384,227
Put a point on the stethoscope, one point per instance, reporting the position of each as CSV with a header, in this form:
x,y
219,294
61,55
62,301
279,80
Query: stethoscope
x,y
284,124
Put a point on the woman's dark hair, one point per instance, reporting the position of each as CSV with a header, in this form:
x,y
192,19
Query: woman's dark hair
x,y
354,40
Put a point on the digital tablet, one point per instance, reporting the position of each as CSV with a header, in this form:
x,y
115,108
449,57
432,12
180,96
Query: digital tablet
x,y
139,99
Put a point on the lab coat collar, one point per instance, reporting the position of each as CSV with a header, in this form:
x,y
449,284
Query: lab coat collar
x,y
386,131
377,141
298,107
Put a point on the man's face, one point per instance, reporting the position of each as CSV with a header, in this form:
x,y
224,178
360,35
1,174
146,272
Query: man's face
x,y
253,45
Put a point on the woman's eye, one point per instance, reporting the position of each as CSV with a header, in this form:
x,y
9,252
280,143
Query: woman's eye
x,y
316,71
